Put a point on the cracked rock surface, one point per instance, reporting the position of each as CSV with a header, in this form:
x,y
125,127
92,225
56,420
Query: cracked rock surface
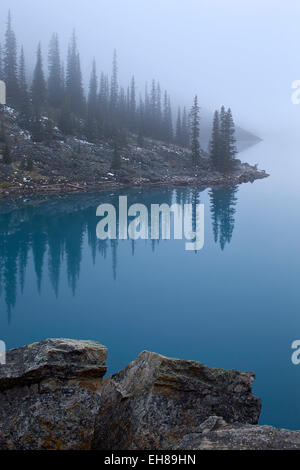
x,y
53,396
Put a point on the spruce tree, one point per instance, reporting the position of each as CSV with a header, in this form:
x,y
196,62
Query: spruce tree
x,y
66,119
185,130
55,85
92,130
103,96
74,88
24,101
132,105
39,89
114,87
230,138
195,132
178,137
158,113
10,66
228,150
214,146
167,120
222,135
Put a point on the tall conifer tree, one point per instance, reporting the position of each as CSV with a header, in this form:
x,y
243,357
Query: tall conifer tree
x,y
195,132
74,87
39,89
10,65
214,146
55,85
24,101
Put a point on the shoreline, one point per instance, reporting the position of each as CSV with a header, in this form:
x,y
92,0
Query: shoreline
x,y
249,175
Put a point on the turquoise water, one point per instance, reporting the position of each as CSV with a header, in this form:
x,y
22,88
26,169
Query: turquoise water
x,y
235,304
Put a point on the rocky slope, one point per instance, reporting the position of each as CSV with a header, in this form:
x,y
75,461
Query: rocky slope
x,y
53,396
72,164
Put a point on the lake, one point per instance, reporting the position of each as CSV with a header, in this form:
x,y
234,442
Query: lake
x,y
234,304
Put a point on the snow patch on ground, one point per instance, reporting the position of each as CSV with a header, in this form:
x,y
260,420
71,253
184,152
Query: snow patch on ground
x,y
83,142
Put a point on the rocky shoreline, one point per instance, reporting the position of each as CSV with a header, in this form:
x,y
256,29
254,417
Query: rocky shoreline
x,y
69,164
53,397
249,175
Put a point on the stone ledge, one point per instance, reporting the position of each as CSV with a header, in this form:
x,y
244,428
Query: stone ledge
x,y
53,396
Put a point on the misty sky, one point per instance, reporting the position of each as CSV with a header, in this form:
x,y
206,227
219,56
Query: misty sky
x,y
244,54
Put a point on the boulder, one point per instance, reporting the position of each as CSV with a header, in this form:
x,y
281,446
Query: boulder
x,y
53,397
50,395
155,401
216,434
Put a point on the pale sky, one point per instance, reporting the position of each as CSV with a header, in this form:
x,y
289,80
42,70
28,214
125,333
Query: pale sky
x,y
244,54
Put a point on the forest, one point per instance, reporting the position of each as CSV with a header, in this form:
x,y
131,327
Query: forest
x,y
55,97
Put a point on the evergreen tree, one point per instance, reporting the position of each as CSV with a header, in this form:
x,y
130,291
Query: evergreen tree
x,y
195,132
24,101
185,130
141,124
154,121
158,111
10,66
39,89
167,120
230,139
63,80
214,146
227,142
222,134
66,120
132,105
178,137
74,88
93,91
92,130
103,96
114,87
55,85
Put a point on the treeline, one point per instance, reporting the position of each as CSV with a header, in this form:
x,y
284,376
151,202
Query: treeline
x,y
109,111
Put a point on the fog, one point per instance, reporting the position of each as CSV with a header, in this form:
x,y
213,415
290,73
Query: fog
x,y
240,54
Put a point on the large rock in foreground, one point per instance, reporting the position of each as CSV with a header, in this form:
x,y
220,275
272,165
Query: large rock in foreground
x,y
50,395
53,396
155,401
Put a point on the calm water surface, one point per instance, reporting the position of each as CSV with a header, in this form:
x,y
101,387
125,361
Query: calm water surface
x,y
235,304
